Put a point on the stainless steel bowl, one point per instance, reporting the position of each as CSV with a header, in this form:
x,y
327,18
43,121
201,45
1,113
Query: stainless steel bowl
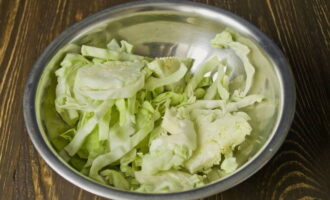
x,y
169,28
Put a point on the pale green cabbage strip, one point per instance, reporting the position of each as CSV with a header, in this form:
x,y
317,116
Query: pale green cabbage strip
x,y
149,125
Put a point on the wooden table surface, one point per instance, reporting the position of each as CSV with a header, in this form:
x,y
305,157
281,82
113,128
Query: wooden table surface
x,y
301,28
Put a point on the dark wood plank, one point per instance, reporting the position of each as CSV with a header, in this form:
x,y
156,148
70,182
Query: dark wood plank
x,y
301,28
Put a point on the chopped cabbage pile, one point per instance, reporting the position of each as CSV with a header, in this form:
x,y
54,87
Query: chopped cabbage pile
x,y
151,125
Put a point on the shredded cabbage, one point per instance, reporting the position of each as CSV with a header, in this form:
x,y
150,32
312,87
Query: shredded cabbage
x,y
150,125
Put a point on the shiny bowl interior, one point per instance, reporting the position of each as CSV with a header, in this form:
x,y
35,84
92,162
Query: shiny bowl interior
x,y
158,29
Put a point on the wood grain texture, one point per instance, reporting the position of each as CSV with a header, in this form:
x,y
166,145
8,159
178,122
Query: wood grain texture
x,y
301,28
